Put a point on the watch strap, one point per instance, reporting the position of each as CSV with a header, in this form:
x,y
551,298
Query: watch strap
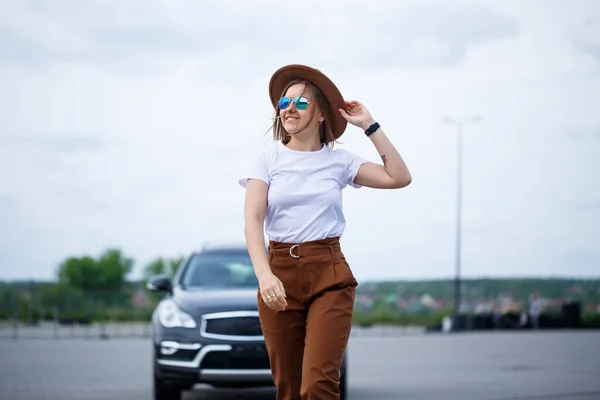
x,y
372,129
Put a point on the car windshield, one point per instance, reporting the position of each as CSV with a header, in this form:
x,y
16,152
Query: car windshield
x,y
220,269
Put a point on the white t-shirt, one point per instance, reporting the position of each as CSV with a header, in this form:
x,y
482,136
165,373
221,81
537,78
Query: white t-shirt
x,y
304,200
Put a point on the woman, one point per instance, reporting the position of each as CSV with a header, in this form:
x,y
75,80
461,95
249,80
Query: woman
x,y
306,287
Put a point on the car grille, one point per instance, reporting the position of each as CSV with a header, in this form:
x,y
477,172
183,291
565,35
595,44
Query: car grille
x,y
235,325
240,357
247,326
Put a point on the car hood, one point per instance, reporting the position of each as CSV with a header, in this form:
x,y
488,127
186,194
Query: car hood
x,y
201,301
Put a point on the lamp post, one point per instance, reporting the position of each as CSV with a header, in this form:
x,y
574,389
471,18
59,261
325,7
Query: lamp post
x,y
459,125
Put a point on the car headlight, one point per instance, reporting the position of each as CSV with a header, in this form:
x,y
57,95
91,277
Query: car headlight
x,y
171,316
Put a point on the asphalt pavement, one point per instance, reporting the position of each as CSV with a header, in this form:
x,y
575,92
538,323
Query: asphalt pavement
x,y
478,366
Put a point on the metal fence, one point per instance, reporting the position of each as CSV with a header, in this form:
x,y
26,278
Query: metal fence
x,y
55,311
55,330
50,311
130,330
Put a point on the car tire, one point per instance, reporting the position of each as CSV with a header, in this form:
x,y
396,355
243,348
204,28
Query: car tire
x,y
343,388
163,391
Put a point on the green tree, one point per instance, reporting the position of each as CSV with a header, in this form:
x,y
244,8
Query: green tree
x,y
107,273
162,266
155,267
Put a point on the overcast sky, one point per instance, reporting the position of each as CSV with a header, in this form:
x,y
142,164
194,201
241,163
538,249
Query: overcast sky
x,y
128,124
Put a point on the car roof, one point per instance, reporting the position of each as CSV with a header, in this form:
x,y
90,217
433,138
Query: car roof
x,y
223,246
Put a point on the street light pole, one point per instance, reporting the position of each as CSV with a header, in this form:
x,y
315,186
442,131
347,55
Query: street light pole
x,y
459,125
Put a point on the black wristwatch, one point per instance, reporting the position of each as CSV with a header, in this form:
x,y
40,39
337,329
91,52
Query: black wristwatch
x,y
372,129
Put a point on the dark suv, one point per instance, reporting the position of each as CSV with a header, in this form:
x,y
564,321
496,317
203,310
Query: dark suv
x,y
206,329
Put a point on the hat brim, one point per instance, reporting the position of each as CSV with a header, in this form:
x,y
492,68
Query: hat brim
x,y
285,74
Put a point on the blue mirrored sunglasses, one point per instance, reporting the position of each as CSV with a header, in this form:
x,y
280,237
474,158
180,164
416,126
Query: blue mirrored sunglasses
x,y
301,103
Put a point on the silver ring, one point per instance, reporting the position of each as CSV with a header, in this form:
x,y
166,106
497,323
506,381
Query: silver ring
x,y
292,252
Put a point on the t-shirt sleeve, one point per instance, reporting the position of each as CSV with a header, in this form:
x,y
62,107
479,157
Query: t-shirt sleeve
x,y
259,169
353,164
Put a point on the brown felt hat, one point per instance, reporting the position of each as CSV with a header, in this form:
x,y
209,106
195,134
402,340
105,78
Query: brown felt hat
x,y
296,71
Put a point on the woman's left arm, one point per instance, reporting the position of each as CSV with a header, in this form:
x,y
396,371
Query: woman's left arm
x,y
394,173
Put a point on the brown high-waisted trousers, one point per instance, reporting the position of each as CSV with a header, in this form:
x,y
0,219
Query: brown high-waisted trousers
x,y
306,342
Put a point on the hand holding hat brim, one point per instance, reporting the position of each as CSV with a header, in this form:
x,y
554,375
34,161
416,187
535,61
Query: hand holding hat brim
x,y
357,114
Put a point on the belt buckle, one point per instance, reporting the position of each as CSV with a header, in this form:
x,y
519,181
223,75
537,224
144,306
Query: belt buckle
x,y
292,251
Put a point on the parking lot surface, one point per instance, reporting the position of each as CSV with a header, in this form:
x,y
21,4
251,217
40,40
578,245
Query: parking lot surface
x,y
486,366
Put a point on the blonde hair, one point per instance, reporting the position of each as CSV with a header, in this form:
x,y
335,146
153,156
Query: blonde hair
x,y
319,99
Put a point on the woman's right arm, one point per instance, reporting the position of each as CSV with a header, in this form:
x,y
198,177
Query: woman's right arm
x,y
254,215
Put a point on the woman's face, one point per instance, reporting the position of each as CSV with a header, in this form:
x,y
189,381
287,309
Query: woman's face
x,y
297,110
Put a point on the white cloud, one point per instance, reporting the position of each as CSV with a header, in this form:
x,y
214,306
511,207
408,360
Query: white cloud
x,y
586,36
222,37
129,125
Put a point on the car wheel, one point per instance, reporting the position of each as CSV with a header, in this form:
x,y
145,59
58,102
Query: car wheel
x,y
343,388
163,391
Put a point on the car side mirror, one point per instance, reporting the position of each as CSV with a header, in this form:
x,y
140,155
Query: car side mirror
x,y
159,283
